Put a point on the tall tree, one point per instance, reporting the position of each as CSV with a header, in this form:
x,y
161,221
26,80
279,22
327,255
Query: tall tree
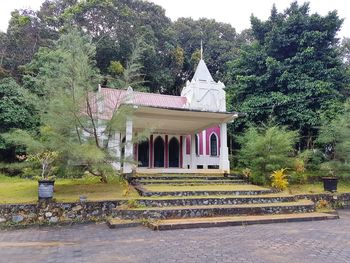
x,y
220,42
17,110
70,123
293,71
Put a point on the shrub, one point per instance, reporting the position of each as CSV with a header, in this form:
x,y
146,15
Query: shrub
x,y
266,149
247,173
297,178
258,178
279,179
13,169
70,171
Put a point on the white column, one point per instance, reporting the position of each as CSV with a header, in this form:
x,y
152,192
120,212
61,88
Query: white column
x,y
116,164
129,155
193,151
224,161
205,157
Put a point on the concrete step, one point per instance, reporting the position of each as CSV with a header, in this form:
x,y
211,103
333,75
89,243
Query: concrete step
x,y
187,177
172,224
301,206
187,181
254,191
120,223
215,200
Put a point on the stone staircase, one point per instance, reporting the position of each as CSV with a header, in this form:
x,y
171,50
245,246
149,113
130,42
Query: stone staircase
x,y
188,201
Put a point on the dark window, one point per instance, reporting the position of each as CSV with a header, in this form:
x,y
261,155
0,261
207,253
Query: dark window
x,y
197,143
213,145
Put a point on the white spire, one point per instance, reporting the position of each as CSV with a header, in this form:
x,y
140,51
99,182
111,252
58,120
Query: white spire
x,y
202,72
201,49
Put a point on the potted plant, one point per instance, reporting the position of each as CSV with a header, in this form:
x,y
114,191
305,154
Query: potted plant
x,y
330,182
46,181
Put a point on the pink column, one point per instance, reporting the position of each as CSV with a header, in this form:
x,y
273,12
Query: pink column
x,y
166,164
181,157
136,152
151,152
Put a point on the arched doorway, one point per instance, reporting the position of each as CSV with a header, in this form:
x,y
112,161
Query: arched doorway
x,y
174,152
158,152
143,154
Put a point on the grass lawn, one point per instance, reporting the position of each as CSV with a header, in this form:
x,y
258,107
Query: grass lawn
x,y
316,188
19,190
208,187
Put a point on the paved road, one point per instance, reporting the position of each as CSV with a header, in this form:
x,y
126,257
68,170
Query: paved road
x,y
307,242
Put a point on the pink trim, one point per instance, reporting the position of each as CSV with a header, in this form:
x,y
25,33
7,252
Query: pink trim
x,y
151,151
188,144
166,152
181,157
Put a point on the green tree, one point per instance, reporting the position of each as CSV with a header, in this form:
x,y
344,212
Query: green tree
x,y
266,149
293,71
18,109
70,112
334,138
24,36
219,39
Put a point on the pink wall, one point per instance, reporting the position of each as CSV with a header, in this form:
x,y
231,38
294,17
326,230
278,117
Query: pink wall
x,y
209,131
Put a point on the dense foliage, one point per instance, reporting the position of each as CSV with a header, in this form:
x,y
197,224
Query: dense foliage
x,y
291,69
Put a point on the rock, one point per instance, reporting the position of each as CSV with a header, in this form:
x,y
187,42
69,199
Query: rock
x,y
2,220
48,214
31,215
77,208
95,212
69,215
17,218
53,219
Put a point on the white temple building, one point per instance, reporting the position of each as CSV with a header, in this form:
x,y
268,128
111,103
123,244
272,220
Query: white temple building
x,y
188,132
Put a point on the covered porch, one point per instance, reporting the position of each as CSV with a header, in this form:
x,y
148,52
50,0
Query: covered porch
x,y
165,149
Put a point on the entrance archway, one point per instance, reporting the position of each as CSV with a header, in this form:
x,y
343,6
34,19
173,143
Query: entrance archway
x,y
174,152
158,152
143,153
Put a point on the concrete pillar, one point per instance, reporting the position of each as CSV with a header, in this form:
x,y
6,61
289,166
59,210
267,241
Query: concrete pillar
x,y
114,145
224,161
193,151
204,134
129,156
181,151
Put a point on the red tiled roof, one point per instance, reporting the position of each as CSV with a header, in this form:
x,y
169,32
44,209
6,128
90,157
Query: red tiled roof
x,y
113,98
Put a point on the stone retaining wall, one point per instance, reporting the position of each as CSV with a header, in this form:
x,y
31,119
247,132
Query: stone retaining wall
x,y
336,200
52,212
212,211
214,201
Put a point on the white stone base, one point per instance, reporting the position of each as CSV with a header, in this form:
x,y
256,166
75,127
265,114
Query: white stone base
x,y
141,170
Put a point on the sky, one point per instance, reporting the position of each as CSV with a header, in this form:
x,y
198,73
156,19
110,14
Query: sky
x,y
235,12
